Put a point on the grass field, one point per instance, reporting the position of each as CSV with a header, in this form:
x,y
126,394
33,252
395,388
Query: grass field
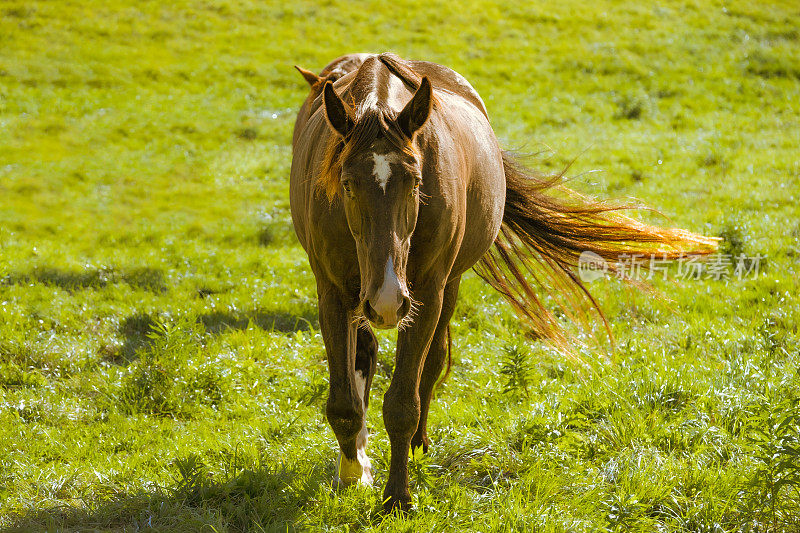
x,y
161,366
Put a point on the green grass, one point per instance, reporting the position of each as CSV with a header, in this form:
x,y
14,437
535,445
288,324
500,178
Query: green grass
x,y
161,365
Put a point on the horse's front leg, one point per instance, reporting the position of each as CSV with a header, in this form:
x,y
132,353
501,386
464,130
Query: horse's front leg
x,y
435,361
401,403
346,407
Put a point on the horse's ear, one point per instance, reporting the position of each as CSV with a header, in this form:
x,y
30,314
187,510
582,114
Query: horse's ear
x,y
309,76
339,115
416,112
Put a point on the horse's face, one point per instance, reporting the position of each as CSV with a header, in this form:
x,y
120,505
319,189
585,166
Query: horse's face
x,y
380,190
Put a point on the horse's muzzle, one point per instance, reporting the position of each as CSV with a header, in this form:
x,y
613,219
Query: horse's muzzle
x,y
387,315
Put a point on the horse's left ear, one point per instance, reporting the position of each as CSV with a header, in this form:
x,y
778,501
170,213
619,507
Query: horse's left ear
x,y
309,76
416,112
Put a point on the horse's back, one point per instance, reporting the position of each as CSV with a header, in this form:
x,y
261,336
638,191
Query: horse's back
x,y
343,65
444,78
341,71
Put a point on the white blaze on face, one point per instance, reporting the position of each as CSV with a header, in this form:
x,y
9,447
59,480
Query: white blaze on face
x,y
360,469
382,169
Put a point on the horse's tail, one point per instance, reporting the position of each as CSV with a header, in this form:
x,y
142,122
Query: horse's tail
x,y
545,230
449,366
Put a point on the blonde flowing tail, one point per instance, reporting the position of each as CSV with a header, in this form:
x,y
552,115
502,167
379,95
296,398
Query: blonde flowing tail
x,y
546,227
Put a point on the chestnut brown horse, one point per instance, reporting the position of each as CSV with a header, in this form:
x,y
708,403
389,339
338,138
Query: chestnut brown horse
x,y
398,187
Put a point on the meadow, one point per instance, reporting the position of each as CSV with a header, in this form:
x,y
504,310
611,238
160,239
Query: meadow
x,y
161,365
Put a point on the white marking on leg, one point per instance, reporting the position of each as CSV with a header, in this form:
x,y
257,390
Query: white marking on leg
x,y
360,469
363,435
382,170
361,385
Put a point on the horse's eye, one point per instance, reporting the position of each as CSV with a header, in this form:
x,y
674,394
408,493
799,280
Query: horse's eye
x,y
346,187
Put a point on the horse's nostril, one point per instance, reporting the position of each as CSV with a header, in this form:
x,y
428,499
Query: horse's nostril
x,y
370,313
405,307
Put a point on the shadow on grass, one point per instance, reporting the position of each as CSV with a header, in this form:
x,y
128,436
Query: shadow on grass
x,y
142,278
266,319
137,330
261,499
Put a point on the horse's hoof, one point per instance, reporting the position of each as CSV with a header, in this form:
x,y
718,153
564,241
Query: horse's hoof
x,y
350,472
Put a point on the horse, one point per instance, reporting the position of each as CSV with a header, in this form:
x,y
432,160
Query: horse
x,y
398,187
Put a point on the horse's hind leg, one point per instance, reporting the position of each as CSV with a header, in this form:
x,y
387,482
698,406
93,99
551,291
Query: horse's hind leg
x,y
435,362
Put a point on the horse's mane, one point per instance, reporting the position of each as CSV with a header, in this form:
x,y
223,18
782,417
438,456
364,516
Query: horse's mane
x,y
371,122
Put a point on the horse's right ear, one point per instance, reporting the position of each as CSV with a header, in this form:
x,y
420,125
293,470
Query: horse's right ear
x,y
339,115
309,76
416,112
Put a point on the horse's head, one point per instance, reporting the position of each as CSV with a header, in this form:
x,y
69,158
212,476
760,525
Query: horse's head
x,y
379,184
